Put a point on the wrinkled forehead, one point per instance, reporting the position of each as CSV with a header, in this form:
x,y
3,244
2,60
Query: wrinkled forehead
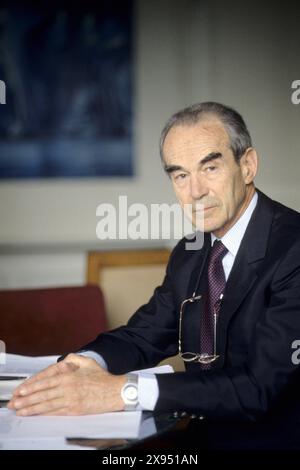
x,y
208,135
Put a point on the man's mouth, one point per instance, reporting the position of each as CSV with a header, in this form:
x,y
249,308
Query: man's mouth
x,y
203,209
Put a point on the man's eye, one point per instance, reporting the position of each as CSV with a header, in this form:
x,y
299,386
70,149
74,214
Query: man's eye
x,y
210,168
181,176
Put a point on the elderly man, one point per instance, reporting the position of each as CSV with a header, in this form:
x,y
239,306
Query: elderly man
x,y
231,308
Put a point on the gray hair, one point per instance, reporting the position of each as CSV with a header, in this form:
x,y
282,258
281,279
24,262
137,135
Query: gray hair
x,y
233,122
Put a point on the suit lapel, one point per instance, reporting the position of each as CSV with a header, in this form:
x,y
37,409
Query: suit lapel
x,y
198,270
193,311
244,272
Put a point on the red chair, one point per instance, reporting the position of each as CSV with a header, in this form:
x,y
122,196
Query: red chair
x,y
38,322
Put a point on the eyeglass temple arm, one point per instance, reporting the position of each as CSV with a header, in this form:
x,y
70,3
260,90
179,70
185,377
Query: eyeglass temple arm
x,y
189,300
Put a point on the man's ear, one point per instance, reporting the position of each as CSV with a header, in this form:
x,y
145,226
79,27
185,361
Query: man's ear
x,y
249,165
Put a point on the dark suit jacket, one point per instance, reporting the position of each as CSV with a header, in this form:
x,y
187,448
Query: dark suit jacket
x,y
258,322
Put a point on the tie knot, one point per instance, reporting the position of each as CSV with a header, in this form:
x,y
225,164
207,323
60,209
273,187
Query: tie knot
x,y
218,251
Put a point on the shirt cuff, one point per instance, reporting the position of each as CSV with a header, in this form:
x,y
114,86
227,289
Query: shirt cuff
x,y
147,391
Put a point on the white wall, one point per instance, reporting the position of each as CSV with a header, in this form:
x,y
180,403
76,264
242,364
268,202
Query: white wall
x,y
246,54
186,51
42,269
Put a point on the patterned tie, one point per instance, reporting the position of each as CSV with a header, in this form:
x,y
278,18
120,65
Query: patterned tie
x,y
216,286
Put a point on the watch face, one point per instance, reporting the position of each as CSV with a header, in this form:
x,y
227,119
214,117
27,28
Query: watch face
x,y
131,392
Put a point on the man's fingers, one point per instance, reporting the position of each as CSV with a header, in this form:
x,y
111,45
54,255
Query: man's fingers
x,y
35,398
51,371
70,364
27,389
43,408
47,373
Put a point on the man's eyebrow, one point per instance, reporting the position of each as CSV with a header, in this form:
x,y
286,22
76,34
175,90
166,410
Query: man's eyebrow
x,y
211,156
171,168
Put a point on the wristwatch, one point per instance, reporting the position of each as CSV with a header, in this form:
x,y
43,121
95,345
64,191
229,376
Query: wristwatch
x,y
129,392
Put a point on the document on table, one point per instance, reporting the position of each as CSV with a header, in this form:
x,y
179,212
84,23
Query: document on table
x,y
53,429
117,425
16,364
17,368
57,443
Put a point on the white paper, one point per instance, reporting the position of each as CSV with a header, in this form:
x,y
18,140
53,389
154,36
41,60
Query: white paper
x,y
16,364
108,425
40,444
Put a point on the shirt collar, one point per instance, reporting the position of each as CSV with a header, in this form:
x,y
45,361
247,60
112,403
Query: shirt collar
x,y
232,239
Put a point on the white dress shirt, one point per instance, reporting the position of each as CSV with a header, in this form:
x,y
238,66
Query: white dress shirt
x,y
232,239
148,391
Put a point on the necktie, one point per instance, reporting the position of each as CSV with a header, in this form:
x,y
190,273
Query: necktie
x,y
216,285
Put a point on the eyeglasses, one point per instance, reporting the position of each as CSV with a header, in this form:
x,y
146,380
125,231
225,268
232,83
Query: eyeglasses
x,y
203,358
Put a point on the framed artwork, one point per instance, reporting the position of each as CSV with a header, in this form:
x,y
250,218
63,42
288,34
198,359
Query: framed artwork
x,y
68,71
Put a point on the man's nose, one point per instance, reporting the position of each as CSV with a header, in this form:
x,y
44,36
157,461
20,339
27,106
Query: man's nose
x,y
198,188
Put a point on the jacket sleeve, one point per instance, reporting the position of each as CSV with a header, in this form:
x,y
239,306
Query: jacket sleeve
x,y
250,390
150,335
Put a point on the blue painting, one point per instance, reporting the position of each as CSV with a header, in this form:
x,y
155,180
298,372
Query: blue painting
x,y
68,71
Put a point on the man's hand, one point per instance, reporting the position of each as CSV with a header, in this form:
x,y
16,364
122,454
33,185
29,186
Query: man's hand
x,y
75,386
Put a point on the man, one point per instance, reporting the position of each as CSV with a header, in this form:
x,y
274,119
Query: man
x,y
242,315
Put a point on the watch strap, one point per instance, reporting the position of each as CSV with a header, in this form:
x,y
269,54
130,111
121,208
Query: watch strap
x,y
132,381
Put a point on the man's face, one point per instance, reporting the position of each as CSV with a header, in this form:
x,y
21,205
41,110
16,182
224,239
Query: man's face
x,y
204,173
